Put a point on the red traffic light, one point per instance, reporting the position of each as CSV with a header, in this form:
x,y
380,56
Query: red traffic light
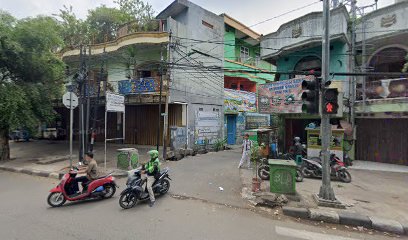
x,y
329,107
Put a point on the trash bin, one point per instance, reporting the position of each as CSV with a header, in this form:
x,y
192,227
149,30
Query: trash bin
x,y
127,158
282,176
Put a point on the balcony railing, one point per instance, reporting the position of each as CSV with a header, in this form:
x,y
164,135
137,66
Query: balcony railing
x,y
384,89
141,85
138,26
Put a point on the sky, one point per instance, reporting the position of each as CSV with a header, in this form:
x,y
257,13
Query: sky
x,y
247,12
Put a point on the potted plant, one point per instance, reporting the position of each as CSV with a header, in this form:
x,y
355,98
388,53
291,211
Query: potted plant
x,y
255,154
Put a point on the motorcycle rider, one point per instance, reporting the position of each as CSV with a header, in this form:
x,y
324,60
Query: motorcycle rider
x,y
91,172
149,171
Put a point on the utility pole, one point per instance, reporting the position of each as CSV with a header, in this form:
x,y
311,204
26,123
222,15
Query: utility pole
x,y
352,88
160,97
96,103
80,102
326,191
363,58
88,100
166,108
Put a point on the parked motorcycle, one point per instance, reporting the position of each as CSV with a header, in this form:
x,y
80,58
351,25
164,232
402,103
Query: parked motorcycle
x,y
133,192
263,169
103,187
313,168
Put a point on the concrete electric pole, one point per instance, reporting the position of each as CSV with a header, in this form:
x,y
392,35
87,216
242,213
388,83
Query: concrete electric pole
x,y
326,191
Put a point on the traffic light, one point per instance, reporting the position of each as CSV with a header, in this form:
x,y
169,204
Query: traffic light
x,y
310,96
330,101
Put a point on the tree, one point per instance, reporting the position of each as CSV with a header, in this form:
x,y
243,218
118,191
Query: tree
x,y
104,22
140,13
30,73
75,32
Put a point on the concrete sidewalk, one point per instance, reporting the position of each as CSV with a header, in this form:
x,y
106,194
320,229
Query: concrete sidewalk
x,y
377,166
51,158
371,195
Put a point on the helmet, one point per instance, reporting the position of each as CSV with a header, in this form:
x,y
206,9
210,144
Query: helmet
x,y
297,139
153,153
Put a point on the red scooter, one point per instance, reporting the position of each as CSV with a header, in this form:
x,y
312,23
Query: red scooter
x,y
103,187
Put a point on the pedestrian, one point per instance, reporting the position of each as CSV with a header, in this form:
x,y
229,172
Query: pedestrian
x,y
246,152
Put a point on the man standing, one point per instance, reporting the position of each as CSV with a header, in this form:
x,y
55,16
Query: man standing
x,y
149,171
246,151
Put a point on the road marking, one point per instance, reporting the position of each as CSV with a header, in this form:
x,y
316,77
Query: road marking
x,y
303,234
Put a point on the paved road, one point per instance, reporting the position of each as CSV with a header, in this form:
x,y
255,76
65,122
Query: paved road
x,y
24,214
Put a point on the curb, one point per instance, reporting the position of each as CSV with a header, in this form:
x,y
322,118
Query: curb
x,y
347,218
55,175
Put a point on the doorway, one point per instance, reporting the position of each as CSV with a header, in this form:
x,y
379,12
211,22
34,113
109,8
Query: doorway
x,y
231,129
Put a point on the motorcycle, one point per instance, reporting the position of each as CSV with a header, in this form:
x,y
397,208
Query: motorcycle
x,y
263,169
103,187
313,168
133,193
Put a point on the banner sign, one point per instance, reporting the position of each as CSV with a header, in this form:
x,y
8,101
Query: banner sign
x,y
282,96
115,102
239,101
257,121
142,85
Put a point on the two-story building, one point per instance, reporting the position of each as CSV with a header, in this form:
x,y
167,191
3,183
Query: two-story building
x,y
382,101
131,67
196,71
243,70
297,47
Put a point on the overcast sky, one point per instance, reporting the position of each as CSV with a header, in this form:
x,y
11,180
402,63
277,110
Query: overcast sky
x,y
247,12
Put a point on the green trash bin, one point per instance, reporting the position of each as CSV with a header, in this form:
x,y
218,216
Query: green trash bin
x,y
282,176
127,158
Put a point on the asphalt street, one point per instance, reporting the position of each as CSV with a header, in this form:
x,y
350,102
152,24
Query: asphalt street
x,y
24,214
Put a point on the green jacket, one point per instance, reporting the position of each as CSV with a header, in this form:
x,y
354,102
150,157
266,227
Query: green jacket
x,y
153,167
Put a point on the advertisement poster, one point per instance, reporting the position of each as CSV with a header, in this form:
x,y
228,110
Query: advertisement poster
x,y
207,127
282,96
239,101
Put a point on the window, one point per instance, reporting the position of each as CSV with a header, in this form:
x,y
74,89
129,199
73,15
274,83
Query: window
x,y
241,87
207,24
244,54
233,86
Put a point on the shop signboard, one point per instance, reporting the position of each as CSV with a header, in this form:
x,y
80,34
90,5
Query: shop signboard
x,y
282,96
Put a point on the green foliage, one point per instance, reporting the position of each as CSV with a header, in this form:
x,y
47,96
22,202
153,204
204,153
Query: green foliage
x,y
74,31
255,151
30,72
102,23
219,144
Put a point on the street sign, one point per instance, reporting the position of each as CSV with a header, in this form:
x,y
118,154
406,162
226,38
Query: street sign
x,y
69,99
115,103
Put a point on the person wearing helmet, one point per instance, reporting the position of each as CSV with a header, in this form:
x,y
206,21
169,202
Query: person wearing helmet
x,y
149,171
